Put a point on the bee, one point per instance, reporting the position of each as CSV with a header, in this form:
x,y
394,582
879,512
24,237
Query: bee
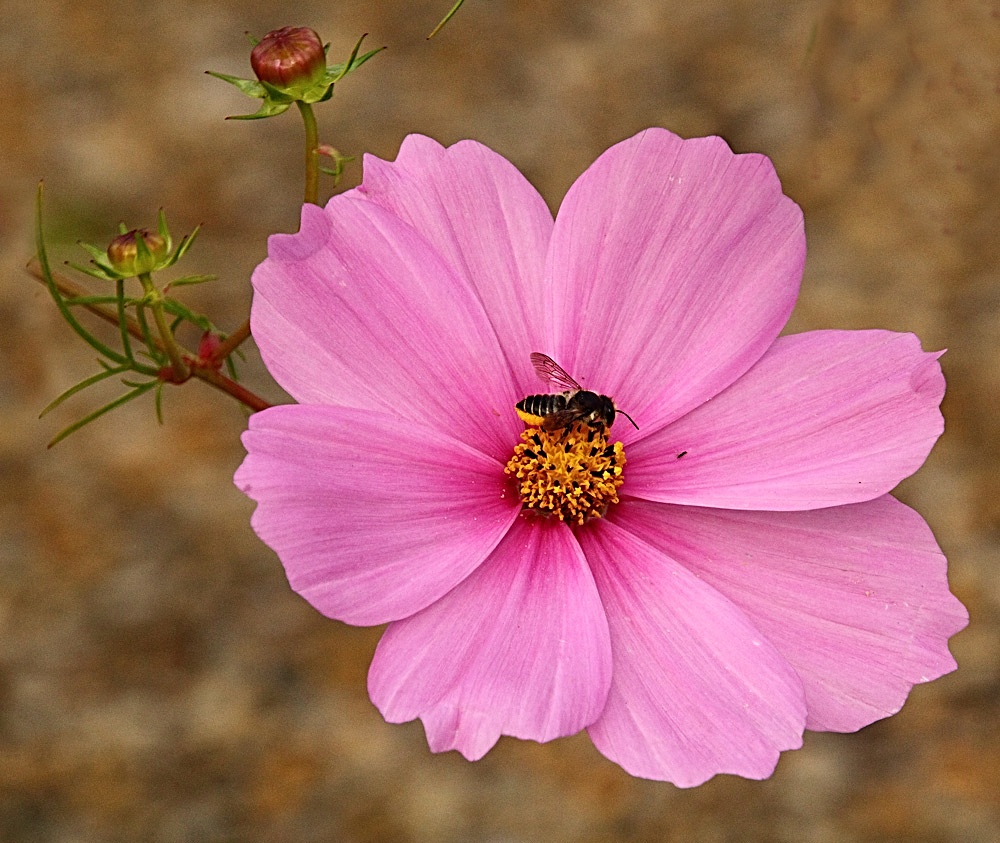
x,y
555,410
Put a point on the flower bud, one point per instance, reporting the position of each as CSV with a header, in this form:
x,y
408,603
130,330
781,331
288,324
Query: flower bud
x,y
207,347
124,257
291,59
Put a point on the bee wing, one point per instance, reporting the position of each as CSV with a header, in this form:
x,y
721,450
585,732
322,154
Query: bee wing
x,y
551,372
560,419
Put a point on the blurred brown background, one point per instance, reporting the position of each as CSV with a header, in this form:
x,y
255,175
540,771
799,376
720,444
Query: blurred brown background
x,y
158,680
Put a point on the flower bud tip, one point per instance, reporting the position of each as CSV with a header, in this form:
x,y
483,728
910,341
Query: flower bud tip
x,y
289,58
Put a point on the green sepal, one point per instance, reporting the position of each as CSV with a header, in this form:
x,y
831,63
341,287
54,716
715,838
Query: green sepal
x,y
182,248
143,257
267,109
274,103
161,227
277,101
100,256
276,94
337,72
100,273
104,271
250,87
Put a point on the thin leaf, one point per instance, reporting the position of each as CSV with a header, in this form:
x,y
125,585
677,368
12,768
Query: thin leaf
x,y
188,280
147,370
445,20
138,368
159,402
128,396
67,314
175,308
82,385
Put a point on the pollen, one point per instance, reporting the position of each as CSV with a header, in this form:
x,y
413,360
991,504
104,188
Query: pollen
x,y
572,473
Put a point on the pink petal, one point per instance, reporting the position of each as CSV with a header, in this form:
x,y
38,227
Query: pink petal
x,y
855,597
359,310
825,418
487,222
519,648
374,518
696,689
674,265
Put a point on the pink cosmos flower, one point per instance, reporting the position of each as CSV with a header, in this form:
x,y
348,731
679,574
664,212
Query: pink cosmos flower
x,y
750,576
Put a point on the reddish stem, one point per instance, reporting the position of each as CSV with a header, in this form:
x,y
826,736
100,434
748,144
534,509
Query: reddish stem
x,y
204,370
232,342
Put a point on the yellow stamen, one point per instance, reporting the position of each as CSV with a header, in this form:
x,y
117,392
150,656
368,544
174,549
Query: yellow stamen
x,y
571,473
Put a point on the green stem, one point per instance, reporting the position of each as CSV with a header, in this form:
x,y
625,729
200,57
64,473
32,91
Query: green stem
x,y
122,320
66,286
154,345
181,369
312,156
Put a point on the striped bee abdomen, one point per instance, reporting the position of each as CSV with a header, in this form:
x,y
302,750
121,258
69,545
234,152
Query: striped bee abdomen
x,y
542,405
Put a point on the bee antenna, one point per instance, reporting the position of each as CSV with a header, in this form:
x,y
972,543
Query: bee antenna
x,y
623,413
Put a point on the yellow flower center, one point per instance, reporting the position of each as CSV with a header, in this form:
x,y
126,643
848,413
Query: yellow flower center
x,y
571,473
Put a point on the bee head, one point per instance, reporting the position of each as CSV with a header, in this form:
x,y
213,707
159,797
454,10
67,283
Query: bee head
x,y
600,408
593,407
606,413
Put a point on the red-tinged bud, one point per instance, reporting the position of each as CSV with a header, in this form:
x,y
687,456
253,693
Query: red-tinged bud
x,y
291,59
124,257
207,348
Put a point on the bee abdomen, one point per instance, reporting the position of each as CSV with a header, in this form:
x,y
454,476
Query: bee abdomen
x,y
542,405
